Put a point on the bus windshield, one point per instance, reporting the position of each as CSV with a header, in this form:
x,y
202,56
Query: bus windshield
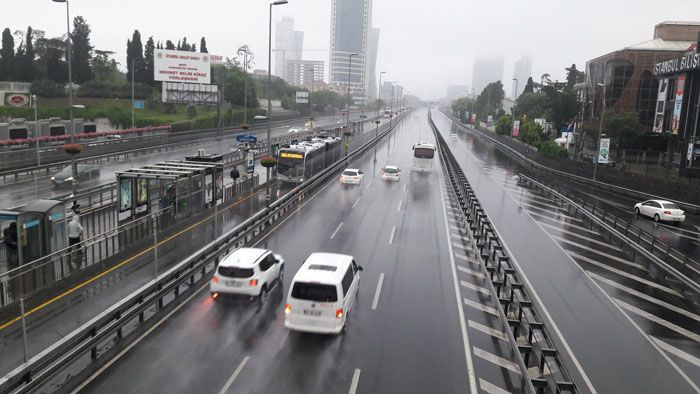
x,y
290,161
423,153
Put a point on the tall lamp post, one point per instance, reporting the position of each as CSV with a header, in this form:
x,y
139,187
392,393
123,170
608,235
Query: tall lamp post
x,y
244,49
600,132
74,169
311,99
347,115
379,100
133,91
269,94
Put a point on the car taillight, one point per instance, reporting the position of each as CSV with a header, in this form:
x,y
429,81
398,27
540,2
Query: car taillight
x,y
339,313
253,282
214,295
215,279
288,309
667,212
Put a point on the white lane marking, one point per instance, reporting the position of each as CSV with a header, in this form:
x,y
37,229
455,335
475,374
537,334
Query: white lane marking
x,y
463,257
577,235
356,201
529,209
488,330
233,377
400,205
629,276
405,186
481,307
452,220
391,237
476,288
369,184
355,381
658,320
460,311
491,388
500,361
455,228
378,291
576,226
677,352
139,339
472,272
336,230
457,236
645,296
596,251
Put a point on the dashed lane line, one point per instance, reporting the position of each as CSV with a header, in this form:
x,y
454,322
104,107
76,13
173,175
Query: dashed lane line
x,y
378,291
336,230
400,201
233,377
356,201
391,237
673,327
645,297
355,381
500,361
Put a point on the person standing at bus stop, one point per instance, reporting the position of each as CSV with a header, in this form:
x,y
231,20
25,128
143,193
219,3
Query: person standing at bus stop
x,y
10,240
75,230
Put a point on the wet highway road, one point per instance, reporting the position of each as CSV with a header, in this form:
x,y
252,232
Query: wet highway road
x,y
407,335
626,328
22,192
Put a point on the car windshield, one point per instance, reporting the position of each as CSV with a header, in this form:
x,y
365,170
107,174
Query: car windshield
x,y
314,292
236,272
349,173
670,205
391,170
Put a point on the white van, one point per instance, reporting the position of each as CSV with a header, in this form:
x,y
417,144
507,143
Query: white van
x,y
322,294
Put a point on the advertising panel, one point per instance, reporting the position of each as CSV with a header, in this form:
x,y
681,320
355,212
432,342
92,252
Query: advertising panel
x,y
473,118
141,195
489,121
219,182
660,105
516,128
676,119
250,163
181,66
604,152
17,99
208,188
302,97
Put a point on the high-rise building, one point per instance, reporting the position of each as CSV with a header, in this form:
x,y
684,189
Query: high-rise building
x,y
350,24
521,71
372,50
486,70
289,44
456,91
304,72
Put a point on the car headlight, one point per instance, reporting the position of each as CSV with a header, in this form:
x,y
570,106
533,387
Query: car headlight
x,y
69,179
53,178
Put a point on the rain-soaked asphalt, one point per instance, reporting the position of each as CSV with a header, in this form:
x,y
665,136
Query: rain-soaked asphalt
x,y
431,303
628,330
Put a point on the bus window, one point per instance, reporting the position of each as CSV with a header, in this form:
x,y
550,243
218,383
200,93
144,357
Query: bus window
x,y
423,153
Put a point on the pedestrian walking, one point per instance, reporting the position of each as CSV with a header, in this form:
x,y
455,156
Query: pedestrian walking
x,y
75,231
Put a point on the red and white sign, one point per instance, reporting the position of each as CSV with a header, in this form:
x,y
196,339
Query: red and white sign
x,y
17,99
181,66
516,128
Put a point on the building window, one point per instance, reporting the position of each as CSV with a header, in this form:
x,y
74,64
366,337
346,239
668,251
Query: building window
x,y
620,73
646,98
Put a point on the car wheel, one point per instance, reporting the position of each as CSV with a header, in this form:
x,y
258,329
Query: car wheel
x,y
657,218
636,211
262,297
281,275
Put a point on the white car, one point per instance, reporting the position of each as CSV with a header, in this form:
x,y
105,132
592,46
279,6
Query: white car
x,y
352,176
390,173
322,294
248,272
294,130
660,211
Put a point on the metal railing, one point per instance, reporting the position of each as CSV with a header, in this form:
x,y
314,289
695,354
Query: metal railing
x,y
513,149
527,334
644,247
96,339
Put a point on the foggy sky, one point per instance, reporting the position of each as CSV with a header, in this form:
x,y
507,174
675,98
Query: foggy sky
x,y
423,44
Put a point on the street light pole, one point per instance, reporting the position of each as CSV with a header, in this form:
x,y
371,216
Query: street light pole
x,y
347,114
379,100
269,94
245,50
311,99
133,94
600,132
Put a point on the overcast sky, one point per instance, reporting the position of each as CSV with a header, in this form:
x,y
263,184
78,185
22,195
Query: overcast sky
x,y
423,44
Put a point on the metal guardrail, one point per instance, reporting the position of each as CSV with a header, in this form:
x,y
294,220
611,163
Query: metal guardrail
x,y
94,339
526,332
645,247
532,165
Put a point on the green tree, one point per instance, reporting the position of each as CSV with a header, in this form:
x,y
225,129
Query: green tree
x,y
24,59
461,107
234,86
573,76
490,100
203,45
531,133
134,50
51,64
7,56
624,127
185,46
529,86
552,150
148,61
81,50
534,105
504,125
169,45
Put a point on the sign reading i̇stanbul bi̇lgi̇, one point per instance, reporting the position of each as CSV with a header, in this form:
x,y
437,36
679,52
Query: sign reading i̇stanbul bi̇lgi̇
x,y
181,66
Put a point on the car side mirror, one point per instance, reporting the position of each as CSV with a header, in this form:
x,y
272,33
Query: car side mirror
x,y
359,267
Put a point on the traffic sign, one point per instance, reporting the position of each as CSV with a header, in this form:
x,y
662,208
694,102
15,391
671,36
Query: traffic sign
x,y
138,104
246,138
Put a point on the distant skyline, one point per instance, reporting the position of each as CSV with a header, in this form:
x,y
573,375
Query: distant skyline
x,y
422,47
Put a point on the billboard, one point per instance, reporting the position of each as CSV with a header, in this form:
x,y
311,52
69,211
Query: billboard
x,y
660,105
604,152
676,119
17,99
181,66
489,121
516,128
473,118
302,97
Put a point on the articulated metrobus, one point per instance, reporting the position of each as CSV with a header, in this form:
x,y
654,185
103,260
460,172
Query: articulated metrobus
x,y
423,154
300,162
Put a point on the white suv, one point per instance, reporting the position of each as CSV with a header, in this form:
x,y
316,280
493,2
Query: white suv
x,y
248,272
